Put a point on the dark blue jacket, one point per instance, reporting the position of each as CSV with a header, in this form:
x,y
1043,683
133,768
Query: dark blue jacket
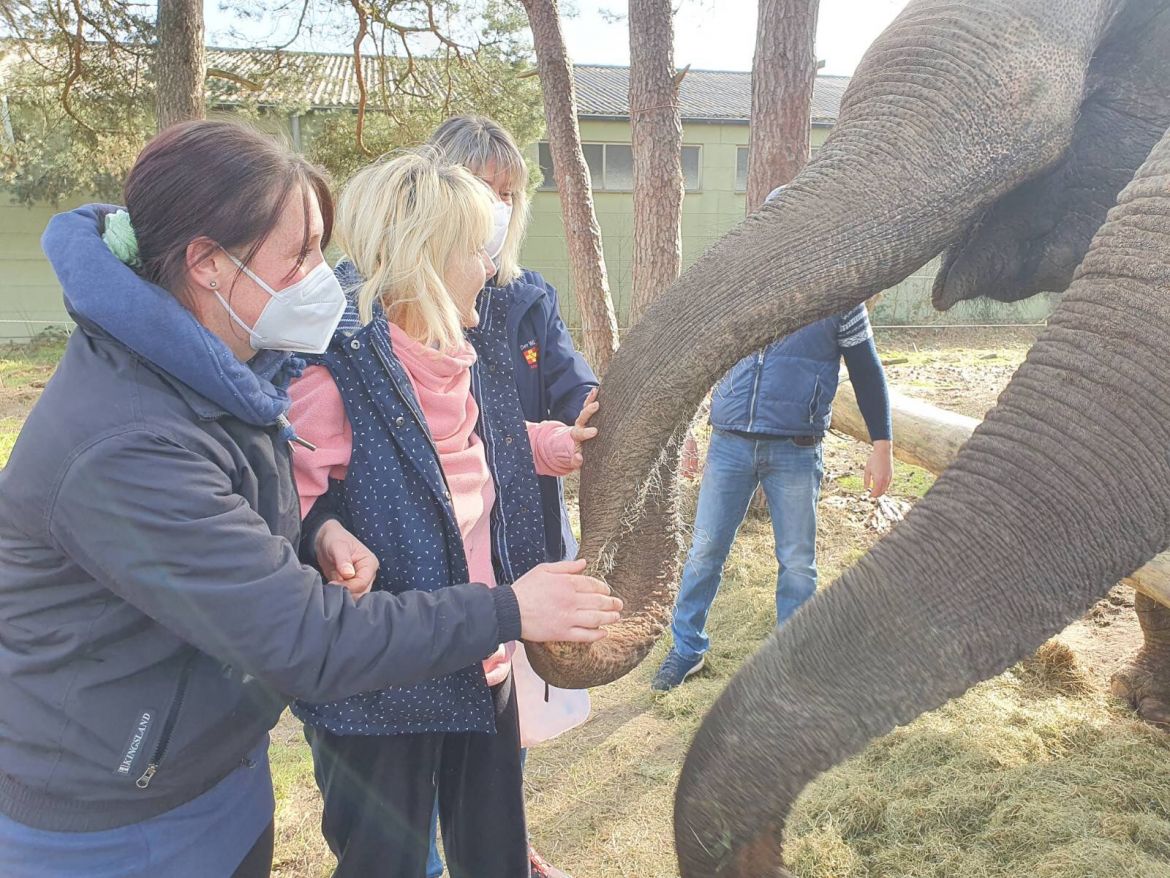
x,y
787,388
553,380
154,614
394,498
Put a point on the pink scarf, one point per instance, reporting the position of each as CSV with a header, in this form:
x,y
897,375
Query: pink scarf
x,y
442,383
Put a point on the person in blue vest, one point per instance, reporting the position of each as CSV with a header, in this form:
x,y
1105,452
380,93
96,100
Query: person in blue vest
x,y
553,380
424,454
768,416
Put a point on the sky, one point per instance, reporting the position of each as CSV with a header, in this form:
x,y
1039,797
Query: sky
x,y
709,34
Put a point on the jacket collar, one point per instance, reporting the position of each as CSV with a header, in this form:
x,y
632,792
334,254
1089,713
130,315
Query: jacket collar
x,y
103,293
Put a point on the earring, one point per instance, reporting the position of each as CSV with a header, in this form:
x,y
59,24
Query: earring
x,y
213,284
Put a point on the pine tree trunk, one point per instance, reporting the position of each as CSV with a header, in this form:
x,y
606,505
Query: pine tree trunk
x,y
582,232
783,72
657,145
179,62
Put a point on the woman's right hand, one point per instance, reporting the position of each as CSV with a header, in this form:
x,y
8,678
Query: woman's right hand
x,y
557,602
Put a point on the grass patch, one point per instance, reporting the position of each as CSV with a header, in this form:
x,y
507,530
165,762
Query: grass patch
x,y
9,430
28,366
24,369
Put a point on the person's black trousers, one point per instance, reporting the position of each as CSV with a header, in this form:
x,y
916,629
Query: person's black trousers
x,y
379,790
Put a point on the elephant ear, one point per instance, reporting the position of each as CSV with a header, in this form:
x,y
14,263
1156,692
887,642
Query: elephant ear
x,y
1032,239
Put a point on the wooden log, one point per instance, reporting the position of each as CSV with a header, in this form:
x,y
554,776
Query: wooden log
x,y
930,437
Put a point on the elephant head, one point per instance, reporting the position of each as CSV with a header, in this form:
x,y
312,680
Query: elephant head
x,y
976,125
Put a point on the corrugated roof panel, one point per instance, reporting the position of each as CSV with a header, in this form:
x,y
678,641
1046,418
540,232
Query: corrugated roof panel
x,y
327,80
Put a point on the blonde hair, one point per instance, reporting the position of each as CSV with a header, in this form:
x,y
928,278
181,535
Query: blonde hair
x,y
400,220
477,142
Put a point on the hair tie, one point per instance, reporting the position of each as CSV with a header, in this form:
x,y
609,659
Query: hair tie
x,y
120,238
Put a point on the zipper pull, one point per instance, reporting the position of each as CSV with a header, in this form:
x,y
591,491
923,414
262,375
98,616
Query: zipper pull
x,y
286,425
144,781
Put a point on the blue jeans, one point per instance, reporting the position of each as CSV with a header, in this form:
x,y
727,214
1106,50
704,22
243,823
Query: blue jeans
x,y
791,476
434,861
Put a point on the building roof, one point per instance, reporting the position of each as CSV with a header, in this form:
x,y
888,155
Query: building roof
x,y
705,95
315,79
325,80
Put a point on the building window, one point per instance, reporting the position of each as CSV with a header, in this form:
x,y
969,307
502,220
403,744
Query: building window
x,y
544,157
692,168
741,159
611,166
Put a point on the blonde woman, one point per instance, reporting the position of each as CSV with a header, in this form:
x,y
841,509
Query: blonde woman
x,y
423,452
553,381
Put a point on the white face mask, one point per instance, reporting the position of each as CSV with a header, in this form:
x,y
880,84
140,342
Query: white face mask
x,y
301,318
501,216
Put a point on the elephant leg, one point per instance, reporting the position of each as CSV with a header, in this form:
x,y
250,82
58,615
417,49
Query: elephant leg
x,y
1145,681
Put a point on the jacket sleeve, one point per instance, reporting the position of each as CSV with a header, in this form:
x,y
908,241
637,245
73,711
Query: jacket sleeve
x,y
161,527
869,386
554,450
318,415
567,377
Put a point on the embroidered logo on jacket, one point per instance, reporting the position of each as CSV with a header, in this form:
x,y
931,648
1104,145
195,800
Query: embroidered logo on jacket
x,y
134,745
531,352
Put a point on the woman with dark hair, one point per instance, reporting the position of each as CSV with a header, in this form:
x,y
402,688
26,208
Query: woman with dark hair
x,y
154,614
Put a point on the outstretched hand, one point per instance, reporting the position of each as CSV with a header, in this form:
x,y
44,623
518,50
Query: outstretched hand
x,y
560,602
581,432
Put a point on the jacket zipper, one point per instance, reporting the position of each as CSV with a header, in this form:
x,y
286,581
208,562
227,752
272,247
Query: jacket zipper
x,y
755,390
418,417
164,739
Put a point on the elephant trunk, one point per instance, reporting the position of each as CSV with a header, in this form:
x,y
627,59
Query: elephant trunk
x,y
1031,525
951,108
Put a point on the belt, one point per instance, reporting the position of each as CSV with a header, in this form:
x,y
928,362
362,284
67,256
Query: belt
x,y
802,441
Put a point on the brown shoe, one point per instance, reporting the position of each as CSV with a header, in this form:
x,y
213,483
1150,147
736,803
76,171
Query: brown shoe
x,y
541,868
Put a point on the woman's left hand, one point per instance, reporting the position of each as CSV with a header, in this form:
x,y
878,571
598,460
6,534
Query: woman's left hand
x,y
581,431
344,560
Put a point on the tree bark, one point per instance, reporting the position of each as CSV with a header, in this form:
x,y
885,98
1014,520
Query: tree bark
x,y
930,437
783,72
656,126
180,64
582,232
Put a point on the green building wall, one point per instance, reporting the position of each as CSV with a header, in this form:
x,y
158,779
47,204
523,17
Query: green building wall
x,y
30,297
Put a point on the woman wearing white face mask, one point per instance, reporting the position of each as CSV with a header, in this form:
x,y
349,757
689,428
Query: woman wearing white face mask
x,y
154,615
553,381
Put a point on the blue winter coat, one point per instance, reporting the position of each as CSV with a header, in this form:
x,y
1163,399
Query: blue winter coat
x,y
553,380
